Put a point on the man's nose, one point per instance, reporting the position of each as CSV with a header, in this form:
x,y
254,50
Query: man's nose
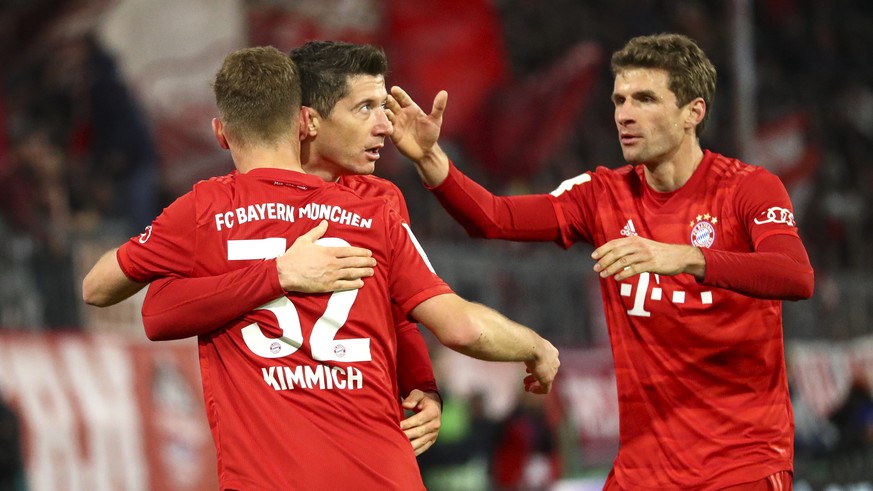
x,y
383,124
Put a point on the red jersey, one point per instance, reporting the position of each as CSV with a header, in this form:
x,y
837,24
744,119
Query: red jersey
x,y
373,186
301,392
700,370
416,370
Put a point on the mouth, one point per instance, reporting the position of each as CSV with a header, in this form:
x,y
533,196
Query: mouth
x,y
628,139
373,153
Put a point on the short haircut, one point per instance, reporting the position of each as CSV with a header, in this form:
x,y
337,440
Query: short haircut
x,y
690,73
257,91
326,66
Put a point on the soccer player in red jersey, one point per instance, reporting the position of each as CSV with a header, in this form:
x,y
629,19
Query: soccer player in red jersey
x,y
332,75
339,143
695,252
301,392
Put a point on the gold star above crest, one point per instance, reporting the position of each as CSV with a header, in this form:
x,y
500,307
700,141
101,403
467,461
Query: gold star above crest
x,y
705,217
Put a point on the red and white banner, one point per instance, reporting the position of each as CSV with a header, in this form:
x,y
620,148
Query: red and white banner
x,y
109,413
103,413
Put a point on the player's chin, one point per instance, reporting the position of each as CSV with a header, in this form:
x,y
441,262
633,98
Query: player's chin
x,y
366,168
631,156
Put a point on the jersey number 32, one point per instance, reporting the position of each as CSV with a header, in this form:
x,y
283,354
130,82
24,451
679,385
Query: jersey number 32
x,y
322,341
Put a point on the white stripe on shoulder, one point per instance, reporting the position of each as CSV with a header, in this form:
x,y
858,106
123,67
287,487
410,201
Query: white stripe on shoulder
x,y
569,183
418,247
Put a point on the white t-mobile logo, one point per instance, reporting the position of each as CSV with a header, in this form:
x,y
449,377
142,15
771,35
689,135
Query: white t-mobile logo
x,y
657,294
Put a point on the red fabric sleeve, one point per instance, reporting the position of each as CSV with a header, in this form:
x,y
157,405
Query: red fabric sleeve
x,y
412,279
176,308
165,247
778,269
482,214
414,368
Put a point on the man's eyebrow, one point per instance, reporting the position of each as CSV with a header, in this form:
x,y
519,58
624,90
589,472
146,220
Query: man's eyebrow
x,y
364,99
644,93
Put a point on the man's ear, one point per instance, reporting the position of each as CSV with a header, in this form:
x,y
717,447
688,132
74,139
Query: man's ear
x,y
218,130
308,122
696,112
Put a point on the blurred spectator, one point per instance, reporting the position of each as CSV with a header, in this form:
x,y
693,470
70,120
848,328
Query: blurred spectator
x,y
76,157
74,91
854,419
459,459
852,458
525,455
34,202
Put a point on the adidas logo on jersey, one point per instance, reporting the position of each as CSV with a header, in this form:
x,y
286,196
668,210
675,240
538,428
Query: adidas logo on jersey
x,y
628,230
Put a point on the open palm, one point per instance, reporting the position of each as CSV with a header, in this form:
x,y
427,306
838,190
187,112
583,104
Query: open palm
x,y
415,132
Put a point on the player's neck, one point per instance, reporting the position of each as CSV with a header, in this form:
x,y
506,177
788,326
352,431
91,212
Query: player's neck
x,y
672,172
258,157
315,164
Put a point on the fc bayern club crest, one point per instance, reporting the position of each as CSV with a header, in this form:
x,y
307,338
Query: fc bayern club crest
x,y
703,230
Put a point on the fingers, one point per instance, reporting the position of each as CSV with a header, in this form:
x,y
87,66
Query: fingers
x,y
343,285
354,267
316,232
420,447
412,401
532,384
613,257
351,278
439,104
622,264
351,251
391,105
351,274
421,435
423,427
403,99
412,425
426,410
399,99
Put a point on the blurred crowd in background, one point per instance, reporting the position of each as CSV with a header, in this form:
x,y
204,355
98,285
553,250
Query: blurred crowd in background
x,y
82,159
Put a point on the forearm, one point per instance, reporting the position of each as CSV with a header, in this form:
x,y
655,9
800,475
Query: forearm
x,y
482,214
177,308
779,269
499,338
106,284
476,330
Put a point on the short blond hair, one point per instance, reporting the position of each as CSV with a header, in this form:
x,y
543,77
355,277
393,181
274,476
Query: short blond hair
x,y
257,91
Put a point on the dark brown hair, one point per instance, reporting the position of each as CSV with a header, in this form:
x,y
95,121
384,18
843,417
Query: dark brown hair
x,y
325,67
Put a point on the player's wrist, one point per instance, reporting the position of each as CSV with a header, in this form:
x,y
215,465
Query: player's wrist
x,y
695,263
433,166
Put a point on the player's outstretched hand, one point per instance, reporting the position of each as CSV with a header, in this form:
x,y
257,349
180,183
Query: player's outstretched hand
x,y
423,427
542,370
307,267
415,132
